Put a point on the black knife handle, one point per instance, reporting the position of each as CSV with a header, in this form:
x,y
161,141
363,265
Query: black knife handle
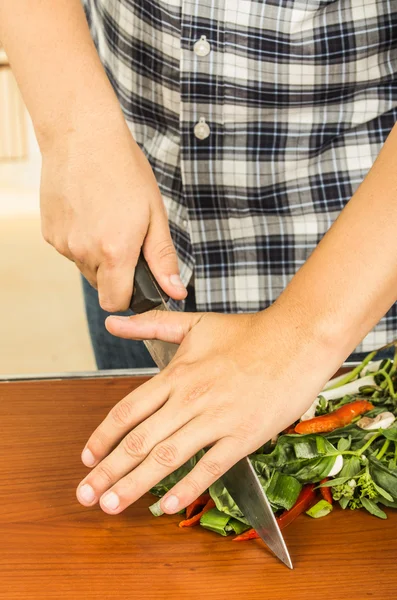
x,y
147,293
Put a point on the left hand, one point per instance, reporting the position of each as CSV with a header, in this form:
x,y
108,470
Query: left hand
x,y
236,381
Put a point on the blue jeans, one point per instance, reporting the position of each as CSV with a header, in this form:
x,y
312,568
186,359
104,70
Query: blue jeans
x,y
115,353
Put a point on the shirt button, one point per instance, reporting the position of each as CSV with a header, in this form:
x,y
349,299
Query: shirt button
x,y
202,47
201,129
185,223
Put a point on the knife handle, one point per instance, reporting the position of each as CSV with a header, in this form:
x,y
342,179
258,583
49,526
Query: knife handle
x,y
147,294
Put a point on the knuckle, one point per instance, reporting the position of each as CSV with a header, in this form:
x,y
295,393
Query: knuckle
x,y
176,371
99,442
46,235
195,393
166,455
110,252
211,467
194,488
109,306
77,250
105,474
121,413
135,445
165,250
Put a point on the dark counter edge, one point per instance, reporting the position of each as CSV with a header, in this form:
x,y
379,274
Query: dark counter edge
x,y
110,374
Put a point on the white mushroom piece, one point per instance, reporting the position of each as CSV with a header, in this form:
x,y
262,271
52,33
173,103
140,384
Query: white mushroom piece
x,y
381,421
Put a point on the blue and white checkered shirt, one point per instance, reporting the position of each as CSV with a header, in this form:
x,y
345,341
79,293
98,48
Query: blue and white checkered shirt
x,y
260,119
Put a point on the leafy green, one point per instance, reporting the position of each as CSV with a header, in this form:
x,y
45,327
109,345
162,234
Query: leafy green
x,y
351,467
373,508
224,502
344,444
383,476
343,502
390,433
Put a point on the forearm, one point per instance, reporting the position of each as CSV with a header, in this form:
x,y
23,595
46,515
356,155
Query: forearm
x,y
350,280
56,64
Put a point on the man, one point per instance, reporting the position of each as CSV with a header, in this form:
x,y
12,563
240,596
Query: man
x,y
259,121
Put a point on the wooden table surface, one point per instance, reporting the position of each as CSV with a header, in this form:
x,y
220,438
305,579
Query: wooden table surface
x,y
51,547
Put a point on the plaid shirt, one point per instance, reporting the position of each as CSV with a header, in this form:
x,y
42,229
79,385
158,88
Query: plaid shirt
x,y
260,119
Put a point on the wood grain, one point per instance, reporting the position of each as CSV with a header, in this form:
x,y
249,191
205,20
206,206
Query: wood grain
x,y
51,547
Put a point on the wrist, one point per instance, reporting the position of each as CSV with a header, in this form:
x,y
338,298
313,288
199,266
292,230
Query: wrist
x,y
312,335
78,119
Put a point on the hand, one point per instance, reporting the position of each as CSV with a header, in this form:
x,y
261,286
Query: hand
x,y
100,203
235,382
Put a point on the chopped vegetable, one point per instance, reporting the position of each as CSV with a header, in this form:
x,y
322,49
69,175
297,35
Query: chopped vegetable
x,y
381,421
350,458
216,521
321,509
338,418
196,519
197,505
248,535
326,492
306,498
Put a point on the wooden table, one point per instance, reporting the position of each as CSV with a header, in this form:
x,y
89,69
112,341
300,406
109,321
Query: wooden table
x,y
51,547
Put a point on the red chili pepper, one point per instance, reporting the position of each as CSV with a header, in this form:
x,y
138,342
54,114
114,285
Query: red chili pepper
x,y
338,418
305,500
326,491
197,505
288,430
196,519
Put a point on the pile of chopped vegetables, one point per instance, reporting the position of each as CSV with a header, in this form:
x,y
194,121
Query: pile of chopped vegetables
x,y
343,449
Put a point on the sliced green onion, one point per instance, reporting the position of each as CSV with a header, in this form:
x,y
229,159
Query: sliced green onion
x,y
321,509
283,490
238,526
155,509
216,521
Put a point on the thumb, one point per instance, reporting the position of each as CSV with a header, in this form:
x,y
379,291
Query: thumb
x,y
154,325
161,257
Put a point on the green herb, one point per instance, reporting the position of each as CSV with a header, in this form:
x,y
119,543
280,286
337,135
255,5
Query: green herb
x,y
373,508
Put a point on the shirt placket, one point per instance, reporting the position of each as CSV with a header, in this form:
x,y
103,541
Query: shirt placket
x,y
200,124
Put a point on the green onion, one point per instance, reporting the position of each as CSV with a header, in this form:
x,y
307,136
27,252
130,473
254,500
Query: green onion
x,y
216,521
283,490
321,509
155,509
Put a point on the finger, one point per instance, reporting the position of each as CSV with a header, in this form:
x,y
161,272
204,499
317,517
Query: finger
x,y
164,459
88,273
155,324
115,283
219,459
160,253
132,450
124,416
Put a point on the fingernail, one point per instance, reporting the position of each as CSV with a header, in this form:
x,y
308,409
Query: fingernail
x,y
88,458
176,281
111,501
86,493
171,503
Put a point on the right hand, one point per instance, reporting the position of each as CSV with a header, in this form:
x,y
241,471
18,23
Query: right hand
x,y
100,204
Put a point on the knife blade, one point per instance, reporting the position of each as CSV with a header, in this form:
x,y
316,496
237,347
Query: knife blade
x,y
253,503
241,481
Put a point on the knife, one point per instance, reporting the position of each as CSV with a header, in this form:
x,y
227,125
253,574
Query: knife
x,y
241,481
